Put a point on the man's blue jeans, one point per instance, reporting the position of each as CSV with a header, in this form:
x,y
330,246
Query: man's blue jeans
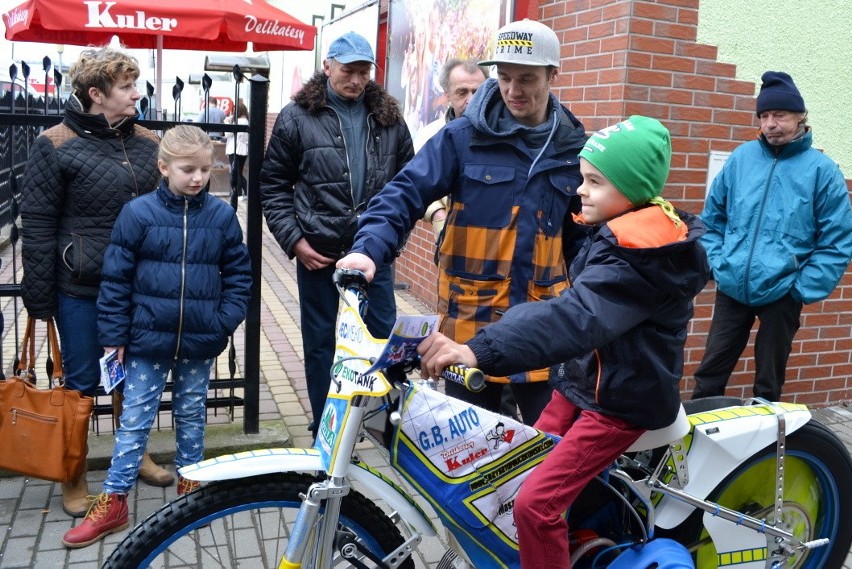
x,y
318,302
146,379
77,321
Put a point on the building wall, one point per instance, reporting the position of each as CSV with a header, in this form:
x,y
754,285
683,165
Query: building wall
x,y
288,70
814,45
623,57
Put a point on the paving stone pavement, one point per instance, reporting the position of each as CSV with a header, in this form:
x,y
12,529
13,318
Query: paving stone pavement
x,y
31,518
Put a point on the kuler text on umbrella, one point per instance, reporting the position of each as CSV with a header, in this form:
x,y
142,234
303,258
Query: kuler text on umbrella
x,y
102,18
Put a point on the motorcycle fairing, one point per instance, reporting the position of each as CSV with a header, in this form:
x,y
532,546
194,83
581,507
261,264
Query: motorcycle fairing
x,y
723,439
745,549
469,464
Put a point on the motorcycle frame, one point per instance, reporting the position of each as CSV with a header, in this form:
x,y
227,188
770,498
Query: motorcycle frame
x,y
729,435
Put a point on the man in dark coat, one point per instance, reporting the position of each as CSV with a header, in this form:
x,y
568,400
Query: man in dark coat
x,y
331,150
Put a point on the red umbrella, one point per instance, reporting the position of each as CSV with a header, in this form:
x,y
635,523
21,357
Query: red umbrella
x,y
198,25
203,25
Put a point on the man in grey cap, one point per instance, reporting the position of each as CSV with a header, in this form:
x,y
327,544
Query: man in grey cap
x,y
510,168
459,79
331,150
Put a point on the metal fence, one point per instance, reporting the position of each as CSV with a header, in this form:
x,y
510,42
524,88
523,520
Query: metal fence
x,y
23,116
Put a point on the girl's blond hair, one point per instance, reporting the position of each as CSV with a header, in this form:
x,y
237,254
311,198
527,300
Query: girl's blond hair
x,y
183,141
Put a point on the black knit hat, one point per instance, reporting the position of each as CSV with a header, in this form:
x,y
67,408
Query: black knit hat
x,y
779,93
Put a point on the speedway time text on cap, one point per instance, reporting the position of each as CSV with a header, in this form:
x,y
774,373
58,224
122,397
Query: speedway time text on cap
x,y
525,42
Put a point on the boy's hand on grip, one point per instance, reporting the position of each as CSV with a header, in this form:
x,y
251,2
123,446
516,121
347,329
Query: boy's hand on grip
x,y
438,352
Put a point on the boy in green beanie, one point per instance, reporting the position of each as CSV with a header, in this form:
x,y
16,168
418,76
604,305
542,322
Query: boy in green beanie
x,y
614,339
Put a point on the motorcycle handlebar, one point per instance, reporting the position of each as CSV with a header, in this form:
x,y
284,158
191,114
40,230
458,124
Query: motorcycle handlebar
x,y
470,377
349,277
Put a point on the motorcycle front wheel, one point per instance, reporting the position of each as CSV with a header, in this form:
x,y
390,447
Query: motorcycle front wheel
x,y
246,523
817,499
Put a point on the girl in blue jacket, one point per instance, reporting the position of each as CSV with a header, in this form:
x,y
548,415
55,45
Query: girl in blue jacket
x,y
176,283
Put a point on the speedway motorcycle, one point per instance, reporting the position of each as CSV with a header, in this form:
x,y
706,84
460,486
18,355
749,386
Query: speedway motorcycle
x,y
745,484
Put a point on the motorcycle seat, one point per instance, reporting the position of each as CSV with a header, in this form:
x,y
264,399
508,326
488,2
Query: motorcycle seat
x,y
656,438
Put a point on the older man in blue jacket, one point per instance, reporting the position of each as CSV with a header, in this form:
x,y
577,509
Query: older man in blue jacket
x,y
779,235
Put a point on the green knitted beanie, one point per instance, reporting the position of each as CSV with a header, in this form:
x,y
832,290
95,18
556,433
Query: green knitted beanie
x,y
634,155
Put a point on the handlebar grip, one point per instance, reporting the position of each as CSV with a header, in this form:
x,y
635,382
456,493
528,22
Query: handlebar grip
x,y
348,277
470,377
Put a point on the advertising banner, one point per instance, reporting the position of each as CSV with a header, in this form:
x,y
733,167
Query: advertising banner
x,y
423,35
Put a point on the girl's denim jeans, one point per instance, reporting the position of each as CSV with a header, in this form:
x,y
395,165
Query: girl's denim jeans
x,y
144,384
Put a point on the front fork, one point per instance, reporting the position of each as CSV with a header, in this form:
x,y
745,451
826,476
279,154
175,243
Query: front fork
x,y
329,492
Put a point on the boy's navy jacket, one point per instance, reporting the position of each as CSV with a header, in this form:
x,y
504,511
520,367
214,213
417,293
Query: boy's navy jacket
x,y
176,279
618,331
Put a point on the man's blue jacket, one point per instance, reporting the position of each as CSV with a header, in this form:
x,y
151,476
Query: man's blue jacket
x,y
778,223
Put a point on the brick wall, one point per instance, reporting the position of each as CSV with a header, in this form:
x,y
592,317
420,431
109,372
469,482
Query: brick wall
x,y
623,57
270,122
415,268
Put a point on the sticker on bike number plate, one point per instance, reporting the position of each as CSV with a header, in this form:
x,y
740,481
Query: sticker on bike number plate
x,y
349,377
355,350
328,430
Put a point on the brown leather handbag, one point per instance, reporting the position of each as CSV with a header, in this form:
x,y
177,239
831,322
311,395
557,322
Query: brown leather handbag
x,y
43,432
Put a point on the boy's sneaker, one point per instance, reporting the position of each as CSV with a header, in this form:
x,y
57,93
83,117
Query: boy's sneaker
x,y
108,514
185,486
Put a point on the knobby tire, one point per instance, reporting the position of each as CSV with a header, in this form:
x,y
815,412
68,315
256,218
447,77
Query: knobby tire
x,y
243,522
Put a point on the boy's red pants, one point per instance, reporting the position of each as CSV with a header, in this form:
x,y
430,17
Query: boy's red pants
x,y
590,442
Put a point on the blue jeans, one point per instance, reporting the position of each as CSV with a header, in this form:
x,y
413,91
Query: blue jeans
x,y
144,384
318,302
77,321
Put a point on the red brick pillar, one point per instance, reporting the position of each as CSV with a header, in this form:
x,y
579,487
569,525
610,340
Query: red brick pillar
x,y
624,57
627,57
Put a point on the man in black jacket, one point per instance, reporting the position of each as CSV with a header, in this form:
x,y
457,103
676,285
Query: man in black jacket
x,y
331,150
